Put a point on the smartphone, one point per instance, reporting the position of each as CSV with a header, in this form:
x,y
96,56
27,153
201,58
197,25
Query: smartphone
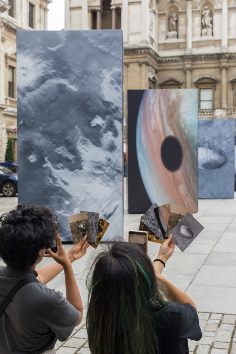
x,y
54,247
140,238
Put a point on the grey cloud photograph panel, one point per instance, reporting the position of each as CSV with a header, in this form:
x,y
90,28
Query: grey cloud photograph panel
x,y
70,123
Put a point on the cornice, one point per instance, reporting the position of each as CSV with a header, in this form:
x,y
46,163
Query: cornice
x,y
4,6
141,50
181,58
8,25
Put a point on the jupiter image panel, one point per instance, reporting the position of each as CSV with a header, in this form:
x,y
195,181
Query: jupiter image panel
x,y
70,124
167,146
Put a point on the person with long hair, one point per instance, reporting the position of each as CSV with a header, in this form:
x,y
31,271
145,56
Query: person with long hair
x,y
128,312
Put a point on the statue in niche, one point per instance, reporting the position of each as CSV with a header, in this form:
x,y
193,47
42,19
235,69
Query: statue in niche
x,y
207,22
173,18
173,21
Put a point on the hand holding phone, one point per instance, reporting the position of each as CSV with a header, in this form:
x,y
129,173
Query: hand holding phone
x,y
139,238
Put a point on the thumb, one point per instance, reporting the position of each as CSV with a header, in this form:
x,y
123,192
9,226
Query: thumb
x,y
168,240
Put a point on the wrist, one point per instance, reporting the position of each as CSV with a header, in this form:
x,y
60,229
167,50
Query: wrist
x,y
70,257
162,257
67,265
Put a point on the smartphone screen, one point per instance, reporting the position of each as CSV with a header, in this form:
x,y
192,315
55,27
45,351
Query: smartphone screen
x,y
140,238
54,246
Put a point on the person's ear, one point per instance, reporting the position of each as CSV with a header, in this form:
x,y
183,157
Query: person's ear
x,y
41,255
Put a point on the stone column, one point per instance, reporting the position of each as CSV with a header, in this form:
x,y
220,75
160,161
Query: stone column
x,y
143,75
46,19
67,14
113,9
188,77
224,26
189,27
124,19
144,22
99,19
156,34
90,19
224,68
85,15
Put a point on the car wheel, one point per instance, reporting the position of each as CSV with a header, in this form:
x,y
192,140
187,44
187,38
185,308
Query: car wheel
x,y
8,189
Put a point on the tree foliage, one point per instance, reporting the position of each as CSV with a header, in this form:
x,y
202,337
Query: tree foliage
x,y
9,156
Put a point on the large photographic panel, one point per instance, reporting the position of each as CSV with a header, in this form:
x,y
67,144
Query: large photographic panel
x,y
216,158
70,123
165,146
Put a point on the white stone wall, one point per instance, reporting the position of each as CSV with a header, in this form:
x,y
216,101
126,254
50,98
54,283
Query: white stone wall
x,y
145,22
22,14
8,113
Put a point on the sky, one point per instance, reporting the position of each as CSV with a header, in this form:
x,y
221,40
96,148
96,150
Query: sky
x,y
56,15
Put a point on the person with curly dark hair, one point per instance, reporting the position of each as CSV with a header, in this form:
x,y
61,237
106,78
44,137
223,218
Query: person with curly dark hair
x,y
36,316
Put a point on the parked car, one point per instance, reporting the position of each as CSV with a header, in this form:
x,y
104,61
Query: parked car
x,y
12,166
8,182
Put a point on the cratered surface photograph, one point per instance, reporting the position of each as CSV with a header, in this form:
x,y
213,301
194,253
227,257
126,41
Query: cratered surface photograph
x,y
186,231
216,158
70,123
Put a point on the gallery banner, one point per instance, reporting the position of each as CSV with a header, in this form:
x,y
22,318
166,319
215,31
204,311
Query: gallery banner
x,y
70,124
162,149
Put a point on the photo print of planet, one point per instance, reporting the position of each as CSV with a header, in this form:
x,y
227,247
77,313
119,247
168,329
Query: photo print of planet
x,y
216,158
162,148
70,124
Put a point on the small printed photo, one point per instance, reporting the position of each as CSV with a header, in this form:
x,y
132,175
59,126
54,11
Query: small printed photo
x,y
102,228
151,236
93,223
162,215
186,231
176,214
79,226
150,220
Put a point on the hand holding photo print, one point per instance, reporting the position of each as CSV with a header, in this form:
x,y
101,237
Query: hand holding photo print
x,y
186,231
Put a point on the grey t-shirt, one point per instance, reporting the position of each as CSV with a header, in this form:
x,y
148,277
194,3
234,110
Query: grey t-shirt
x,y
36,317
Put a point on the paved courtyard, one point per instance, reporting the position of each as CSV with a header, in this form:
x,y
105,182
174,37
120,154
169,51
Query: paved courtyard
x,y
206,271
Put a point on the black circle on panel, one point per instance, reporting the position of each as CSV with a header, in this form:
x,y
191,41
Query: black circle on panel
x,y
171,153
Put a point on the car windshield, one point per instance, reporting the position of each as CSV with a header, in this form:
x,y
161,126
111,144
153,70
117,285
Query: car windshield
x,y
4,170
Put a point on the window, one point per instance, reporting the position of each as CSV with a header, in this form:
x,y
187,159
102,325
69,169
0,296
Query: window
x,y
11,11
11,82
205,98
31,15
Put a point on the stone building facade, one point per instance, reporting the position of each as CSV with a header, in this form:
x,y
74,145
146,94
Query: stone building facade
x,y
171,44
14,15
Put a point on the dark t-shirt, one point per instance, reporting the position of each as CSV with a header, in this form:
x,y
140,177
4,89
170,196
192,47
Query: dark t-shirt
x,y
175,326
36,317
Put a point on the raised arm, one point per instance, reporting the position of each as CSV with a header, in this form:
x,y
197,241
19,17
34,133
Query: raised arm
x,y
72,291
166,250
50,271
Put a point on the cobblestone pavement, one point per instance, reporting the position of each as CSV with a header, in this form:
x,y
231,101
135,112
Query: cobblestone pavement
x,y
218,337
